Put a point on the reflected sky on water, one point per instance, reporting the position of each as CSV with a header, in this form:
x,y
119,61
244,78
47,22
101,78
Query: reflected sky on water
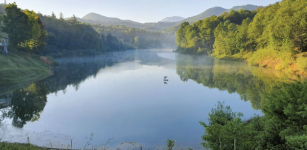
x,y
123,95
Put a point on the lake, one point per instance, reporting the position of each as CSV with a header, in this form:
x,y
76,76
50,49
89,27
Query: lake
x,y
122,96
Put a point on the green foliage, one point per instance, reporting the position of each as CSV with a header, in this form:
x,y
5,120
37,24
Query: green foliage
x,y
24,28
97,19
216,11
271,36
288,107
225,130
213,31
301,62
146,39
71,37
34,33
170,144
282,127
14,146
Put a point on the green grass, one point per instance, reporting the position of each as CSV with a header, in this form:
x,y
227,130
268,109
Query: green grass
x,y
21,68
17,146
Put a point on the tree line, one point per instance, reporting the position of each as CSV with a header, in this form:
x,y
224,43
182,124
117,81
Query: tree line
x,y
200,37
139,38
48,35
273,36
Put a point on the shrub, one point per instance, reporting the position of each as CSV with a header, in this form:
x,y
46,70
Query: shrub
x,y
301,63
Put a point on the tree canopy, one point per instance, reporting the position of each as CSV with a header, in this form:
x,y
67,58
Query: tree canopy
x,y
283,125
50,35
24,28
273,36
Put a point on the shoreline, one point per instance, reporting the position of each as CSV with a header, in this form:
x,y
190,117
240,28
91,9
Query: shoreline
x,y
23,68
292,68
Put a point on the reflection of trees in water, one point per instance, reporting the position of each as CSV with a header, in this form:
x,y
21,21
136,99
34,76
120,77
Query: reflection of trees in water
x,y
251,83
28,101
73,71
26,104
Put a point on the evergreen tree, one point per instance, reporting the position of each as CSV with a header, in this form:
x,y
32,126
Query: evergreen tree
x,y
53,15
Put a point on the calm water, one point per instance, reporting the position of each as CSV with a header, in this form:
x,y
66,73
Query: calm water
x,y
123,95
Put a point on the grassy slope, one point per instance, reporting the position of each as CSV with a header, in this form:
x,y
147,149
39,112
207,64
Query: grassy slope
x,y
15,146
21,68
281,61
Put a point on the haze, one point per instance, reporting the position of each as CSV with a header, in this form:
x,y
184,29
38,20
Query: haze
x,y
136,10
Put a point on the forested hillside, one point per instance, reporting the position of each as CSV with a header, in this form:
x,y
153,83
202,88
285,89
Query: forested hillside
x,y
73,37
173,19
48,35
216,11
246,7
94,18
139,38
273,36
199,38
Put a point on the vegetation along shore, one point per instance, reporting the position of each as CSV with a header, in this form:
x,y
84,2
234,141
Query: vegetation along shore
x,y
272,36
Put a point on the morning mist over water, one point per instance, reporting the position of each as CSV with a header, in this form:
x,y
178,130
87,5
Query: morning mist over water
x,y
169,75
126,98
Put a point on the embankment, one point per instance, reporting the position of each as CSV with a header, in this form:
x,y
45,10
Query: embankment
x,y
21,68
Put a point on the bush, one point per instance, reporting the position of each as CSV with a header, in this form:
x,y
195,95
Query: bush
x,y
301,63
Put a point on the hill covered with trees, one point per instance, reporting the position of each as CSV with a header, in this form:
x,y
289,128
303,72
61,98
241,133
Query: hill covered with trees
x,y
48,35
93,18
71,37
173,19
139,38
273,36
216,11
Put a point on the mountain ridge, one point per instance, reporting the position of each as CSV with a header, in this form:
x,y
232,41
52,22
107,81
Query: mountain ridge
x,y
216,11
172,19
168,22
97,17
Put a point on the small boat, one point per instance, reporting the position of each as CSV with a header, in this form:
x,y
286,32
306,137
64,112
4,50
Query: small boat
x,y
165,80
165,77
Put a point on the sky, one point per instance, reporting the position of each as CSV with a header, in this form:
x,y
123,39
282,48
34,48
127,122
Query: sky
x,y
136,10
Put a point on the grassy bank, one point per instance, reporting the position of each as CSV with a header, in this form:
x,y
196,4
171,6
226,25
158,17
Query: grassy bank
x,y
281,61
21,68
17,146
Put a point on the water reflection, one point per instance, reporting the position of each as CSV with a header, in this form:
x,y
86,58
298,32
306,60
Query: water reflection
x,y
135,106
25,104
250,82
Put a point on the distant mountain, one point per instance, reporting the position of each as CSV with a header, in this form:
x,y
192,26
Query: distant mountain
x,y
216,11
172,19
94,18
169,23
100,18
208,13
246,7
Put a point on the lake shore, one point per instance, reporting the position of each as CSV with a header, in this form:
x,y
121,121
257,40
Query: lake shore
x,y
23,68
289,64
19,146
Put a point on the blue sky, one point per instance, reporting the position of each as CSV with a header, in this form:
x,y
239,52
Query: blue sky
x,y
137,10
